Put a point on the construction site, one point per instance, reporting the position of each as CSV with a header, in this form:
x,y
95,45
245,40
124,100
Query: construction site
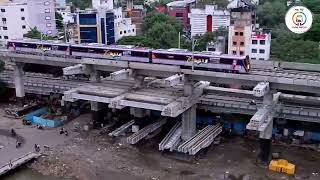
x,y
152,121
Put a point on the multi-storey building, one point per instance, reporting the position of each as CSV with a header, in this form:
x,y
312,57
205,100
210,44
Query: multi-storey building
x,y
103,25
260,45
42,15
242,25
208,19
179,10
19,16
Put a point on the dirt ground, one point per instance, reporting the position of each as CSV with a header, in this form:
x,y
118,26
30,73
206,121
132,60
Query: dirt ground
x,y
88,156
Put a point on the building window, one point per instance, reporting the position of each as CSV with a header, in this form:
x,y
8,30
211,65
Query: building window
x,y
236,33
242,43
129,31
241,33
262,42
120,32
5,28
241,52
0,37
261,51
3,10
253,58
254,50
47,3
179,14
261,58
23,26
6,37
125,32
254,42
23,18
47,10
4,19
48,24
22,9
234,52
234,43
49,32
48,18
132,30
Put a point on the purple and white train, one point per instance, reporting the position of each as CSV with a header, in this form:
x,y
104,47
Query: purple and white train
x,y
185,58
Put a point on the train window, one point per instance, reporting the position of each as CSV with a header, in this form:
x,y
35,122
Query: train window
x,y
139,54
240,62
226,61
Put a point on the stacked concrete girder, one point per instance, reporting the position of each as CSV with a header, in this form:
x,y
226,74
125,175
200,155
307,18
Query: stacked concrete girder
x,y
122,129
172,138
200,140
136,137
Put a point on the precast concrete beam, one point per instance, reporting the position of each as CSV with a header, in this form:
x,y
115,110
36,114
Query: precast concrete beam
x,y
121,75
174,80
261,89
264,116
76,69
180,105
94,74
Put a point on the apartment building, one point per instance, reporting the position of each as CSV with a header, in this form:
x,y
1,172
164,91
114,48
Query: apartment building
x,y
242,24
19,16
260,45
208,19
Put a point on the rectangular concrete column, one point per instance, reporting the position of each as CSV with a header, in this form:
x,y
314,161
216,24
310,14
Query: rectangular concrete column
x,y
19,82
189,123
96,113
94,74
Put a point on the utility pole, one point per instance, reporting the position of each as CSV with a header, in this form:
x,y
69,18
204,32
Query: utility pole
x,y
179,43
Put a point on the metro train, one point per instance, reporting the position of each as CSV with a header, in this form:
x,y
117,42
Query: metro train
x,y
200,60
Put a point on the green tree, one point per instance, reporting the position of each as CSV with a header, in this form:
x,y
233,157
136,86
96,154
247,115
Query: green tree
x,y
204,39
59,21
35,34
272,13
314,33
82,4
136,40
313,5
154,18
163,35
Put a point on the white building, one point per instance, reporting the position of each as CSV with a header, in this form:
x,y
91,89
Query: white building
x,y
105,3
260,45
122,26
208,19
42,15
14,20
19,16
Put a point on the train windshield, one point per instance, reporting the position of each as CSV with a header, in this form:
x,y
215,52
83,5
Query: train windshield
x,y
247,63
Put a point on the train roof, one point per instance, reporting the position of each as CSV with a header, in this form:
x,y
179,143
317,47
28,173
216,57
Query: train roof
x,y
197,53
36,41
113,47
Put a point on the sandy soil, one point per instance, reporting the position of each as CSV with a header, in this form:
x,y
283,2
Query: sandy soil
x,y
92,157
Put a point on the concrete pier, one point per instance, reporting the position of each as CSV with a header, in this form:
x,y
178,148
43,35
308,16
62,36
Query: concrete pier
x,y
19,83
189,123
